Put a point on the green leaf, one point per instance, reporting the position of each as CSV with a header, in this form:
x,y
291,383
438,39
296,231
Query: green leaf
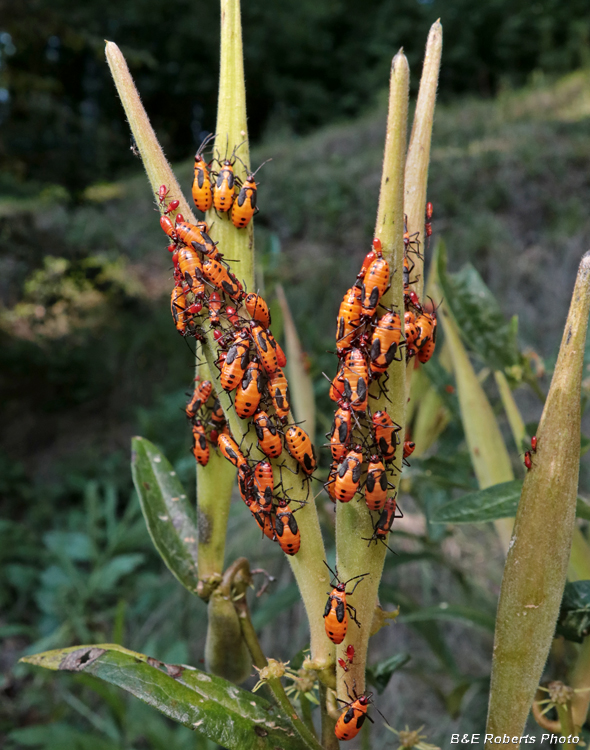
x,y
498,501
169,516
573,622
234,718
105,578
380,674
478,315
451,612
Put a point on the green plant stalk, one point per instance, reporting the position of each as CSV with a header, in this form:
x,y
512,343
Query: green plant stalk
x,y
307,565
487,449
533,580
418,159
353,521
215,480
328,737
156,166
566,721
579,565
231,133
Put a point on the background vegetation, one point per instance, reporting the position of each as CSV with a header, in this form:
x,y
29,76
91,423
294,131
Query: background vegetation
x,y
88,355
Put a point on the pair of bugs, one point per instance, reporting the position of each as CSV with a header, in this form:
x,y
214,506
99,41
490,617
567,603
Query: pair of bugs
x,y
336,615
217,188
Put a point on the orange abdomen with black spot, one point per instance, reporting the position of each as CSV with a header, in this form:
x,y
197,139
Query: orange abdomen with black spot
x,y
336,617
375,283
202,192
200,444
349,724
299,445
235,364
244,206
279,392
224,192
249,391
269,439
287,531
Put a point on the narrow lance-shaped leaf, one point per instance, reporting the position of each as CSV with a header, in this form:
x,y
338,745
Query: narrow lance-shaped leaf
x,y
489,455
234,718
300,384
536,566
169,516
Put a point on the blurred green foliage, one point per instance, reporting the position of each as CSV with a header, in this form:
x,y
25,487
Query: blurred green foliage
x,y
307,63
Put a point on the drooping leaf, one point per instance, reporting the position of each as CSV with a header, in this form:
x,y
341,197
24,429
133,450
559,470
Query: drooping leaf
x,y
573,622
478,315
498,501
234,718
451,612
169,516
379,674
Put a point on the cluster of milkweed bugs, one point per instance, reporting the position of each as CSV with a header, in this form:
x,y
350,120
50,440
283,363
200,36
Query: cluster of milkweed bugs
x,y
221,189
206,297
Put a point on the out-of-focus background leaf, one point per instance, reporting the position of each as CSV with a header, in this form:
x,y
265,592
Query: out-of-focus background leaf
x,y
89,357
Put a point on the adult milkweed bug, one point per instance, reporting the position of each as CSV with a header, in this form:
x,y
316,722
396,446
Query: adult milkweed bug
x,y
200,444
338,609
217,415
355,379
375,282
258,309
229,449
349,318
299,445
202,191
236,362
330,484
279,393
287,531
341,432
348,475
191,234
385,343
244,206
385,430
376,484
200,397
249,391
269,441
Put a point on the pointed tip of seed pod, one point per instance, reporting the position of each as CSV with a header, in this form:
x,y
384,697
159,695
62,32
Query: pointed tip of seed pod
x,y
399,60
586,258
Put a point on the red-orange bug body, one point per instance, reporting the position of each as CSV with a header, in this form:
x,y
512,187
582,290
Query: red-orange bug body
x,y
385,430
249,391
178,309
269,440
348,475
200,444
202,192
258,310
385,343
341,432
218,275
229,449
236,362
355,379
264,483
375,283
279,393
224,191
244,206
287,531
376,484
266,348
350,723
337,610
299,445
349,318
199,398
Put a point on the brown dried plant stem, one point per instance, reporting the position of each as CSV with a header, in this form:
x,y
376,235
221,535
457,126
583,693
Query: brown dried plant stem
x,y
353,520
536,566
